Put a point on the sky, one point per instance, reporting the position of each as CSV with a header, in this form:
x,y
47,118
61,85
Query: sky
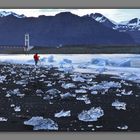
x,y
116,15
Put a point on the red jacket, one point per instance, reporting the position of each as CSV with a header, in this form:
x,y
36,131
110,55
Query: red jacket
x,y
36,57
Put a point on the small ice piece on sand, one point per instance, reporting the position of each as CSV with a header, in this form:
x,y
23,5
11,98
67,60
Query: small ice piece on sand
x,y
84,98
39,123
99,126
2,78
12,105
125,127
17,109
119,105
63,113
94,92
3,119
91,115
67,95
8,95
78,78
80,91
126,93
38,91
69,85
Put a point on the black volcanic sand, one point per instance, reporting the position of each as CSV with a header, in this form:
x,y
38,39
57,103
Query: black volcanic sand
x,y
33,104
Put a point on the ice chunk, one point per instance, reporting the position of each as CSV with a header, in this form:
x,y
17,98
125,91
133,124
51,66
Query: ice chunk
x,y
63,113
8,95
125,127
21,82
69,85
3,119
99,61
53,92
2,78
91,115
84,98
51,59
78,78
39,123
119,105
67,95
80,91
17,109
94,92
105,85
39,91
126,93
66,61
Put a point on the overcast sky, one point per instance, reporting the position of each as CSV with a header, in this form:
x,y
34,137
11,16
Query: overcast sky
x,y
117,15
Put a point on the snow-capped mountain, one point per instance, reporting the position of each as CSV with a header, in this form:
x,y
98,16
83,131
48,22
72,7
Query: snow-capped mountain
x,y
102,19
64,28
131,25
5,14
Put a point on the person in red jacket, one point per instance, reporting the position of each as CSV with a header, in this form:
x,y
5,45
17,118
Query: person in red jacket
x,y
36,58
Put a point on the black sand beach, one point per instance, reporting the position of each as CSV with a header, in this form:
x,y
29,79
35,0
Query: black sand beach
x,y
30,96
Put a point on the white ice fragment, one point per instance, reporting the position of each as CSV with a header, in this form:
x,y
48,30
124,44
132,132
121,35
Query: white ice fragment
x,y
2,78
3,119
53,91
99,126
12,105
67,95
119,105
91,115
105,85
39,123
51,59
63,113
80,91
49,85
39,91
17,109
69,85
8,95
78,78
125,127
126,93
94,92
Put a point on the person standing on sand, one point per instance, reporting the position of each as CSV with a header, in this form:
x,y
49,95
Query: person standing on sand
x,y
36,58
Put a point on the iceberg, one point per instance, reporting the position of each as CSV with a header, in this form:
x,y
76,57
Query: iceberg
x,y
91,115
39,123
63,113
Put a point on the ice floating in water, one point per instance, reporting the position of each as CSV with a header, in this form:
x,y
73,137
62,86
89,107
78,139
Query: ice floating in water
x,y
91,115
39,123
125,127
69,85
63,113
119,105
3,119
51,59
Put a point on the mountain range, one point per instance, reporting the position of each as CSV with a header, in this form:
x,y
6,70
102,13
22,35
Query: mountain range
x,y
66,28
